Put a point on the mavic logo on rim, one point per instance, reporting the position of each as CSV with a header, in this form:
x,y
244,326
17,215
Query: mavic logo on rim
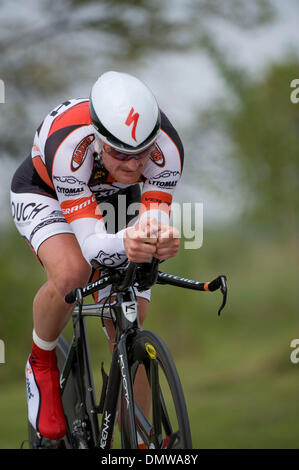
x,y
132,118
150,350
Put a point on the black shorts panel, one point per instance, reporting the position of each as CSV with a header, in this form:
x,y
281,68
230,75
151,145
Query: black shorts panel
x,y
27,180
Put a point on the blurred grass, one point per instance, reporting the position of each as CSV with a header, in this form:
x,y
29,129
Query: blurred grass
x,y
240,385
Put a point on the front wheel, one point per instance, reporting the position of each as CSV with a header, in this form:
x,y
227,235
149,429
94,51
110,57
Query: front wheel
x,y
166,425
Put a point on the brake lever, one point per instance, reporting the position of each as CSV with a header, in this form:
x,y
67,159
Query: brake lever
x,y
223,289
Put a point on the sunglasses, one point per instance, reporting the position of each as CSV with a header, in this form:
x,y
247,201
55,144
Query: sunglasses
x,y
128,156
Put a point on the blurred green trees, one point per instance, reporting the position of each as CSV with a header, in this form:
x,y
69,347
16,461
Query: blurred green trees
x,y
264,130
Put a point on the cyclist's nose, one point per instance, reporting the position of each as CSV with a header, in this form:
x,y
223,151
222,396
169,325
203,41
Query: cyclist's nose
x,y
133,164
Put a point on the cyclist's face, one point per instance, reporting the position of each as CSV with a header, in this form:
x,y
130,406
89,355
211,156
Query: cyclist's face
x,y
126,172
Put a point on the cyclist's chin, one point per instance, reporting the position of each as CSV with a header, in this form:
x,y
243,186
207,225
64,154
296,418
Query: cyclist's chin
x,y
127,177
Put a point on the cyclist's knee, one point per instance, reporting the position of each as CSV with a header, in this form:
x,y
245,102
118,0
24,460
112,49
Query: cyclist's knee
x,y
57,287
70,277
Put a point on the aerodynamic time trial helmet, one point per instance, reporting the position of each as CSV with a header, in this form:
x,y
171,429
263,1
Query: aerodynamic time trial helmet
x,y
124,112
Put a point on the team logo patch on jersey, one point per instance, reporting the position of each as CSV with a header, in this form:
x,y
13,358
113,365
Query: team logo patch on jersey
x,y
80,152
157,156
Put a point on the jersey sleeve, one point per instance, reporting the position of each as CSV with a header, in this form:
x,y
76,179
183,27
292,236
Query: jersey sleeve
x,y
72,167
162,174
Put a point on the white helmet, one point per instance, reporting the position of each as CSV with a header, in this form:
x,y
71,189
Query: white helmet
x,y
124,112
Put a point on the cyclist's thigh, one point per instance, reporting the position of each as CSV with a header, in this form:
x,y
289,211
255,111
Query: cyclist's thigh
x,y
40,221
143,304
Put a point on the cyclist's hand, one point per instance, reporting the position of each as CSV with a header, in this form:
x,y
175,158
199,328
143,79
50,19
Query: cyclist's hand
x,y
140,241
168,242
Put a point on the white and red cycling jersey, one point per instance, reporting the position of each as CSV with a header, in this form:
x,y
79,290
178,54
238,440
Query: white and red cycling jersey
x,y
63,181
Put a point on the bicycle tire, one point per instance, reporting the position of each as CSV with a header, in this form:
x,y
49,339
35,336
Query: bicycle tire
x,y
168,427
70,406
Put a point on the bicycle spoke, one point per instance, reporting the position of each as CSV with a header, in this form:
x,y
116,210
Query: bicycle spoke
x,y
165,417
171,439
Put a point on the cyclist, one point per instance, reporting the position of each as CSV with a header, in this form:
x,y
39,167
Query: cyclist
x,y
67,201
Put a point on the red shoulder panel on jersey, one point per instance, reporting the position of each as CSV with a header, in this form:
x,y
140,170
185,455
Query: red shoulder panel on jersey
x,y
42,170
77,115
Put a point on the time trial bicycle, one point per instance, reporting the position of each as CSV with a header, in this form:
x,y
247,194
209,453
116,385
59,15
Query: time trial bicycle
x,y
168,426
